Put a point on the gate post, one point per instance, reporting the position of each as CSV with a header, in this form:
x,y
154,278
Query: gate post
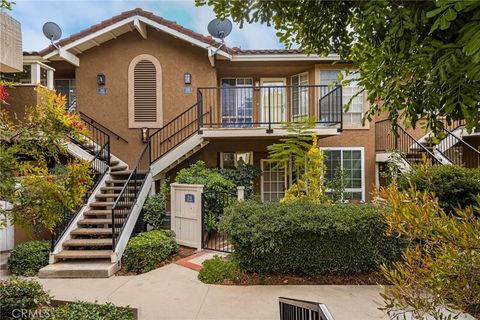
x,y
186,214
241,193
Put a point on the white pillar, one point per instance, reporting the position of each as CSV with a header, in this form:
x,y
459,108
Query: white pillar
x,y
35,77
50,79
241,193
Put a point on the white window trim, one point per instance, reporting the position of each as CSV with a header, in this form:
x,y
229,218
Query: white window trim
x,y
299,75
262,113
131,96
262,161
362,150
348,124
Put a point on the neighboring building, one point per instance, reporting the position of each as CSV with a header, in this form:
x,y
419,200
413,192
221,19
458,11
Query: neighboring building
x,y
10,44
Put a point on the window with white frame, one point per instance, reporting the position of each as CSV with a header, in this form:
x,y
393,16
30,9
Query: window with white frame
x,y
231,160
299,95
355,112
273,181
351,160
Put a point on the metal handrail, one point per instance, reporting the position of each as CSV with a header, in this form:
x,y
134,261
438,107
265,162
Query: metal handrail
x,y
465,145
294,309
65,224
128,199
92,121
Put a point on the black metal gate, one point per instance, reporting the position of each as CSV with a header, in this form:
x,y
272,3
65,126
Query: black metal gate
x,y
213,204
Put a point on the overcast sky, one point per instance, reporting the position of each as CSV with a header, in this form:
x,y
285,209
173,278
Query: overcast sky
x,y
75,15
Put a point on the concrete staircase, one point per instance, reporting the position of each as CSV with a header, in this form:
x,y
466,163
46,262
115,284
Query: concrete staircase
x,y
87,249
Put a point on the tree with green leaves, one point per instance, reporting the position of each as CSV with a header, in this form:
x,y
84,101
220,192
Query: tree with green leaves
x,y
34,175
439,275
417,60
4,4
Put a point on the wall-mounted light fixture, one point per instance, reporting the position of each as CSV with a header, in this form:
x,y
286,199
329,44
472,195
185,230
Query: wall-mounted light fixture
x,y
101,79
257,85
187,78
145,135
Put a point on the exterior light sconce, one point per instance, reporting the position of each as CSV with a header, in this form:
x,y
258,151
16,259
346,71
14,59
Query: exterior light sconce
x,y
145,135
101,79
257,85
187,78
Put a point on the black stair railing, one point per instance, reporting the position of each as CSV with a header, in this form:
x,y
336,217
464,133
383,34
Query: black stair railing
x,y
175,132
458,151
97,127
390,138
269,106
293,309
127,198
99,167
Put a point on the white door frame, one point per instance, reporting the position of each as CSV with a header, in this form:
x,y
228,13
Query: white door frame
x,y
262,81
262,161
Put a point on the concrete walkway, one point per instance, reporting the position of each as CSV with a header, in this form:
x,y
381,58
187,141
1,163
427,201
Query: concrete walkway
x,y
174,292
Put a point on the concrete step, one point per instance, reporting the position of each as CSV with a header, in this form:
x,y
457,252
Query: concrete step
x,y
121,173
110,189
120,167
114,162
91,231
84,254
96,213
101,204
100,268
106,195
120,181
93,221
88,242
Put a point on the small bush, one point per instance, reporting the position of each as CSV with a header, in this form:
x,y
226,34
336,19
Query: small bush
x,y
90,311
198,173
308,239
217,269
154,208
244,175
21,294
455,186
29,257
147,249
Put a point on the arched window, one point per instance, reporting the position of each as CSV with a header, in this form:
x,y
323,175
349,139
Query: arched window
x,y
145,92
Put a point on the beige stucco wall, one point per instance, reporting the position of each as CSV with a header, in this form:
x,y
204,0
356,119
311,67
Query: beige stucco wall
x,y
113,58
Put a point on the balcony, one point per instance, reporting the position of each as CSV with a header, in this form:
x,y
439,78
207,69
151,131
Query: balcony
x,y
268,108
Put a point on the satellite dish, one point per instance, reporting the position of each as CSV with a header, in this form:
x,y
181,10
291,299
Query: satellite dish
x,y
52,31
219,28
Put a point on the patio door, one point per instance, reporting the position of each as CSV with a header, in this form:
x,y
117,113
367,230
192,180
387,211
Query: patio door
x,y
273,97
273,181
237,102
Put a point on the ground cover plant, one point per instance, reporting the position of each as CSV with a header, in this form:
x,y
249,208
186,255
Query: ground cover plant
x,y
27,258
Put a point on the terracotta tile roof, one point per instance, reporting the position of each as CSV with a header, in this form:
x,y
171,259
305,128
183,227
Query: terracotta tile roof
x,y
127,14
267,51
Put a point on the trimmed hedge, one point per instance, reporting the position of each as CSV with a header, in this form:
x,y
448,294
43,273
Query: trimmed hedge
x,y
90,311
308,239
217,269
21,295
453,185
27,258
148,249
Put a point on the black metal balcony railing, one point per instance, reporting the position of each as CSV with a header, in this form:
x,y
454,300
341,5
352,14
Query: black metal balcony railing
x,y
269,106
390,138
293,309
458,151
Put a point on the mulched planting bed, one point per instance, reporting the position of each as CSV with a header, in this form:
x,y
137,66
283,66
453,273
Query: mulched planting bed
x,y
250,279
183,252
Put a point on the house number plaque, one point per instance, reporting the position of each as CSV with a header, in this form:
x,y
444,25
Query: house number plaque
x,y
190,198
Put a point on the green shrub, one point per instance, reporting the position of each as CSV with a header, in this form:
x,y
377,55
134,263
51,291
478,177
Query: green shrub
x,y
198,173
455,186
22,295
154,208
29,257
244,175
147,249
90,311
217,269
308,239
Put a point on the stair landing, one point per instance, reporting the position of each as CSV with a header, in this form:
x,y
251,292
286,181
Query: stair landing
x,y
79,269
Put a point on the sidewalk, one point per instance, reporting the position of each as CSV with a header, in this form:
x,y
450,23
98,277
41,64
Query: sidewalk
x,y
174,292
